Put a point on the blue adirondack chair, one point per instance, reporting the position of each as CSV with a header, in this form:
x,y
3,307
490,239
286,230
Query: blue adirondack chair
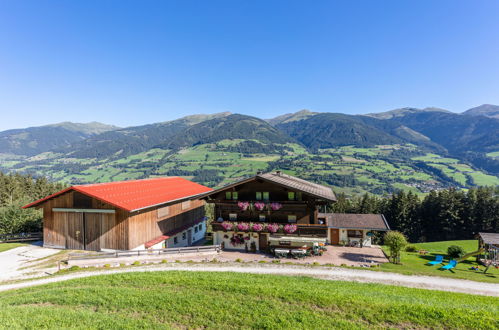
x,y
438,260
450,265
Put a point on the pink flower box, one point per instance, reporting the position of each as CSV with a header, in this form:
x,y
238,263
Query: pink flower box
x,y
272,228
257,227
275,206
259,206
243,227
289,229
227,225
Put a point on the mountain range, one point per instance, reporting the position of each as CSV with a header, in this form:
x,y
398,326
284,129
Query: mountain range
x,y
448,148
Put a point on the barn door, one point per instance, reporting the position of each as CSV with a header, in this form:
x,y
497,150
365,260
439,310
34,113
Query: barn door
x,y
92,230
335,236
262,242
75,236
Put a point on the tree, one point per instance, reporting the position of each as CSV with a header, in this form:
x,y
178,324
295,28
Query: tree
x,y
396,241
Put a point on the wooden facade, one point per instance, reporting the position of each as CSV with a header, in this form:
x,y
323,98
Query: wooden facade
x,y
75,221
297,206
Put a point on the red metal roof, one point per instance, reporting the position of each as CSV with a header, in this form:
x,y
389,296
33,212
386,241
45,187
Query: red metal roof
x,y
136,194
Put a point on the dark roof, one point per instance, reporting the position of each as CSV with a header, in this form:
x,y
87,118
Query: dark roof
x,y
355,221
135,195
489,238
289,182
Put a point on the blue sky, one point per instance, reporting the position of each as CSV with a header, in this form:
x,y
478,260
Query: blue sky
x,y
136,62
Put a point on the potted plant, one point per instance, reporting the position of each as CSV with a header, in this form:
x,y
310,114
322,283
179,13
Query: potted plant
x,y
272,228
290,228
275,206
243,226
259,206
258,227
227,226
243,206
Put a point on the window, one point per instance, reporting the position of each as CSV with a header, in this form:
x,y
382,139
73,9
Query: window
x,y
261,217
163,212
175,240
231,195
265,195
258,196
291,195
184,236
200,227
298,196
354,233
291,218
196,229
232,216
186,205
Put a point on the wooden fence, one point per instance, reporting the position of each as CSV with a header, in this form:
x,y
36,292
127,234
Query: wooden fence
x,y
138,253
22,237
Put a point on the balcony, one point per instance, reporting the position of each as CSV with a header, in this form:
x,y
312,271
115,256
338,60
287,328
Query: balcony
x,y
301,229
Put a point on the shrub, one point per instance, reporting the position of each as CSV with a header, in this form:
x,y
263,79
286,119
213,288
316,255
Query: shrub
x,y
262,262
395,241
411,248
276,261
107,266
455,251
164,261
72,268
239,260
136,263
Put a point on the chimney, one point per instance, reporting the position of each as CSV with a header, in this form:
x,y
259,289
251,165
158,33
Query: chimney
x,y
278,172
259,172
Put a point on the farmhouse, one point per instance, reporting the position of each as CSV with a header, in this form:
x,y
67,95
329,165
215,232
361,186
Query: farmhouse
x,y
126,215
276,210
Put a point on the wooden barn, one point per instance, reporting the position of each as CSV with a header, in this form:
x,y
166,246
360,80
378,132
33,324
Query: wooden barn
x,y
151,213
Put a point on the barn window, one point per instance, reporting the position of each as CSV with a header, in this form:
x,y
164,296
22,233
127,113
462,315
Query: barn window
x,y
258,196
163,212
291,218
196,229
266,195
175,240
261,217
186,205
232,216
291,195
184,236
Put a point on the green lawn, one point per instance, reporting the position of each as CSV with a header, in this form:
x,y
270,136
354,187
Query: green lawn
x,y
414,263
234,301
8,246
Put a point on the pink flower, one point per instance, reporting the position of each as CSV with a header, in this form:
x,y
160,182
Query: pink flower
x,y
243,226
257,227
289,229
275,206
259,205
227,225
272,227
243,205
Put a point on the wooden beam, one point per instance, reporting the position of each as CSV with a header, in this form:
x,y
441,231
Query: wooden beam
x,y
58,209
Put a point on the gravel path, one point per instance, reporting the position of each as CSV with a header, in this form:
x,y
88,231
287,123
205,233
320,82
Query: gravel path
x,y
12,260
423,282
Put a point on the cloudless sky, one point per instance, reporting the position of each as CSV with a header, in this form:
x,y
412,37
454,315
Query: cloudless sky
x,y
136,62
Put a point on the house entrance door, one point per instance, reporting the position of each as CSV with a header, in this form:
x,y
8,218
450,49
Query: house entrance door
x,y
189,237
263,242
335,236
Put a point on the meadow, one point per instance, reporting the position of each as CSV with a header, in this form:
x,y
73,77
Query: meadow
x,y
159,300
412,263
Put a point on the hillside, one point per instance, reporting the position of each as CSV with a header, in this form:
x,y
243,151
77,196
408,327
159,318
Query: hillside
x,y
487,110
34,140
413,150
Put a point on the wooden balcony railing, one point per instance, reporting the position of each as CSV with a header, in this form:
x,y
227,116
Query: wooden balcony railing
x,y
302,229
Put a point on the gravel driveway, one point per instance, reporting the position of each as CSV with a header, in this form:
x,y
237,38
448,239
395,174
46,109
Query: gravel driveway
x,y
12,260
333,273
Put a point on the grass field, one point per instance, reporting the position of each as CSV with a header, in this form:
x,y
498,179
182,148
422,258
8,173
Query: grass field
x,y
234,301
8,246
415,264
